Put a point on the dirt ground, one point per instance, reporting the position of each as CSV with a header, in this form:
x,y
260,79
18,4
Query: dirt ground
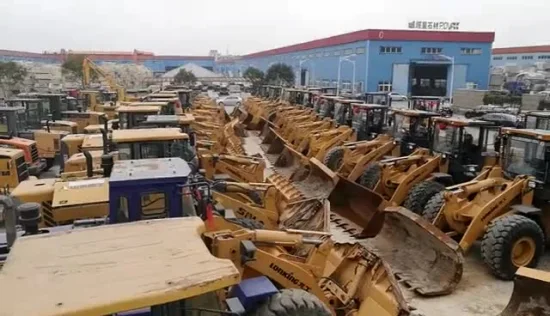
x,y
478,293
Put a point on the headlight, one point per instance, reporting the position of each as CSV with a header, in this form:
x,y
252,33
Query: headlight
x,y
472,168
444,156
532,184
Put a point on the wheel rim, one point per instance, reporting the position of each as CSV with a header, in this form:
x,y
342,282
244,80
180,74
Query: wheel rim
x,y
523,251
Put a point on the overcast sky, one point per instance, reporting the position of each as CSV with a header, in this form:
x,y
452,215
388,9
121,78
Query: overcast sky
x,y
246,26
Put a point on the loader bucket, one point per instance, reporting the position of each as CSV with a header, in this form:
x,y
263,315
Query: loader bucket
x,y
274,148
421,256
531,295
314,179
356,209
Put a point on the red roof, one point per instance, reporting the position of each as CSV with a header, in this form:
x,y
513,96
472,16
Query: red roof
x,y
386,35
522,50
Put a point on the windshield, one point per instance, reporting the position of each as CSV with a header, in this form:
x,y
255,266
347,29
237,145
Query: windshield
x,y
446,139
403,125
156,149
525,156
537,122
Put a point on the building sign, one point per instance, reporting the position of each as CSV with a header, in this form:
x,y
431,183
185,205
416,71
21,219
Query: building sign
x,y
431,25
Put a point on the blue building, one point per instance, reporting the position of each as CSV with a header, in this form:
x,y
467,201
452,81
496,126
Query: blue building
x,y
520,56
410,62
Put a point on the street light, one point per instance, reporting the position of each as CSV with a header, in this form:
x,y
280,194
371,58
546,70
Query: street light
x,y
452,60
340,60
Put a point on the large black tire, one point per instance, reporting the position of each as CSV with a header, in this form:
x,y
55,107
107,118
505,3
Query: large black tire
x,y
499,239
334,158
246,223
433,206
370,176
291,302
420,193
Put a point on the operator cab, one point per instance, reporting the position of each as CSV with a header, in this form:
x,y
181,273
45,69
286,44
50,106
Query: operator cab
x,y
12,120
83,118
152,143
368,119
412,128
326,104
430,104
169,102
56,102
132,116
527,152
162,121
147,189
537,120
468,144
381,98
35,110
343,112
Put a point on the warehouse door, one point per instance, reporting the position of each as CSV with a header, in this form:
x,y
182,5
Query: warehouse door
x,y
459,77
400,78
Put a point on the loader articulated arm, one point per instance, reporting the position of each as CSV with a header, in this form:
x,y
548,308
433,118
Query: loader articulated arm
x,y
346,277
239,168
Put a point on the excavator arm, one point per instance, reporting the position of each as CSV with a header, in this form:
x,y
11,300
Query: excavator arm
x,y
88,65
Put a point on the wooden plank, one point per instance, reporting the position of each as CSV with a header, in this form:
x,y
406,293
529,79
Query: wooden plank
x,y
111,268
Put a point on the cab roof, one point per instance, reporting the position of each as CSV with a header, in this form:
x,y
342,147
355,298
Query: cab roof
x,y
545,114
4,108
139,109
58,123
23,100
419,113
456,121
10,152
83,112
110,269
369,106
169,119
159,103
147,169
168,99
540,134
160,94
147,134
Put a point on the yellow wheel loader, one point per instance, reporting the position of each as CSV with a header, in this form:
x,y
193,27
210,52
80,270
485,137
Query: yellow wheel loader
x,y
453,156
237,168
262,202
346,278
505,208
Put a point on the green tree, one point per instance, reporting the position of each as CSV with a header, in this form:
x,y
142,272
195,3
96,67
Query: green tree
x,y
280,74
185,77
11,74
73,66
255,75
